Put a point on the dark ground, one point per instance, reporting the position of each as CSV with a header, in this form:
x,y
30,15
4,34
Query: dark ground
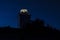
x,y
32,31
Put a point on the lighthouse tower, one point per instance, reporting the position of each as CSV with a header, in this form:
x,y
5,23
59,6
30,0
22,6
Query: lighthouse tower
x,y
24,17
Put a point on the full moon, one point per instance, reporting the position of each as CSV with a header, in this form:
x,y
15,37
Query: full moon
x,y
23,10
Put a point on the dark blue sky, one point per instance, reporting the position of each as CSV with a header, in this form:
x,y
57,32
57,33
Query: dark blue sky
x,y
48,10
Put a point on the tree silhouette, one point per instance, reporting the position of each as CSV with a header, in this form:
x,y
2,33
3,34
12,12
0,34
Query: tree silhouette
x,y
38,29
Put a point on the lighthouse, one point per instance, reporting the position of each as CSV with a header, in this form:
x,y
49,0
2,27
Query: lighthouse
x,y
24,18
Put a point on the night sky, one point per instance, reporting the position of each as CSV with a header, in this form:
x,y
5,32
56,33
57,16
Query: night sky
x,y
47,10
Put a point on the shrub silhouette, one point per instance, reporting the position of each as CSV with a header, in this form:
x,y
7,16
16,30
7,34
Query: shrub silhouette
x,y
37,29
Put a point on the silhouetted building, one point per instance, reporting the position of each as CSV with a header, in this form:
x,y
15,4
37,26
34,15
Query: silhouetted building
x,y
24,18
